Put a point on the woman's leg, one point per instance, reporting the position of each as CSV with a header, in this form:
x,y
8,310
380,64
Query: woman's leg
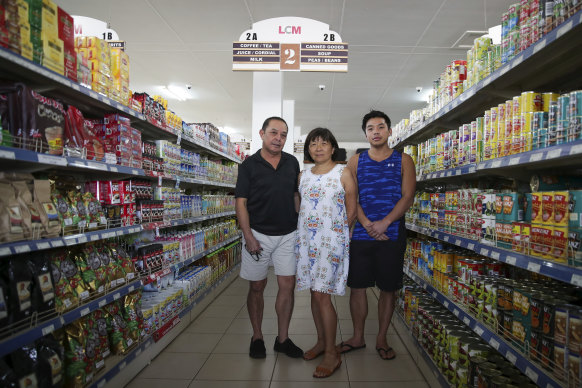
x,y
319,346
329,323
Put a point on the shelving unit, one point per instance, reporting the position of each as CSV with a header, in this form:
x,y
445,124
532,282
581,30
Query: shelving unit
x,y
541,66
558,271
92,104
531,370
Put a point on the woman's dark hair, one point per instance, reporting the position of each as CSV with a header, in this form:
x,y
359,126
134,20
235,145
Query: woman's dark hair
x,y
372,115
325,135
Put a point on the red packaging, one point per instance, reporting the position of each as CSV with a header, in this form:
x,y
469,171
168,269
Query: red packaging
x,y
113,119
127,195
66,28
79,133
110,192
116,129
124,161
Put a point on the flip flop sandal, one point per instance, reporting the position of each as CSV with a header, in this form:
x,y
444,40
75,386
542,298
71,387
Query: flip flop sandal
x,y
380,350
349,347
309,355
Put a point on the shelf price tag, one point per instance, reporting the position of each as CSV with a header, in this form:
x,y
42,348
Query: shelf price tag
x,y
495,255
467,321
511,357
554,154
434,294
102,303
484,251
575,150
43,245
446,238
449,173
5,251
179,138
54,160
7,155
576,280
446,303
479,330
122,365
511,260
531,374
567,27
456,312
496,164
22,248
48,329
514,161
470,246
493,342
472,169
113,169
457,242
539,46
116,296
533,267
536,157
85,311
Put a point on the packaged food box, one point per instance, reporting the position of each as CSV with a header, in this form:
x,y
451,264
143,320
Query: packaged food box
x,y
547,207
536,208
575,247
119,64
559,244
561,212
98,66
66,28
575,209
513,207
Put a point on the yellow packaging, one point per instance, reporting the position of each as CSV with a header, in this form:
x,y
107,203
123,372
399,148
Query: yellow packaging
x,y
119,64
120,85
559,244
99,78
500,130
22,10
516,145
50,13
49,32
98,66
53,49
516,106
526,131
114,94
493,131
561,208
547,241
25,32
531,102
487,135
80,42
26,50
99,88
95,53
525,237
54,66
536,207
547,207
547,98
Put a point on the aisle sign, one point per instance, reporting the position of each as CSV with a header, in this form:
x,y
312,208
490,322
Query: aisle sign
x,y
86,26
290,44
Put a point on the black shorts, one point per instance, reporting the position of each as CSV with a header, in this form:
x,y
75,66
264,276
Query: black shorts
x,y
377,263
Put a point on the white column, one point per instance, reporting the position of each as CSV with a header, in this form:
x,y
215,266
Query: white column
x,y
289,116
267,102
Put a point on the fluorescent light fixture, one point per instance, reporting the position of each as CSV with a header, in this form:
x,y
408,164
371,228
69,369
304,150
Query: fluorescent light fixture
x,y
177,92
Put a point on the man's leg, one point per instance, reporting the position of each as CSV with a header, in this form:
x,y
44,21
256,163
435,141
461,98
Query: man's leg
x,y
359,311
256,305
386,304
284,304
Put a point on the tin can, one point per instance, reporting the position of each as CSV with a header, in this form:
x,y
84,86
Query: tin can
x,y
575,112
526,135
563,119
531,102
553,123
547,99
539,122
500,130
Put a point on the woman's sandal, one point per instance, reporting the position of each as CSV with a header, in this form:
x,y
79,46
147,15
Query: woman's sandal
x,y
311,355
321,372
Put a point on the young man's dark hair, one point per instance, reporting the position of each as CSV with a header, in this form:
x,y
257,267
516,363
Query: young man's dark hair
x,y
372,115
268,121
325,135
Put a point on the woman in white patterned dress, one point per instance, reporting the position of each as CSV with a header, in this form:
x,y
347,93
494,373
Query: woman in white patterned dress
x,y
328,208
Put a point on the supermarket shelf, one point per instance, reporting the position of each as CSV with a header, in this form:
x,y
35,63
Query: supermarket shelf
x,y
14,248
119,367
177,266
554,156
541,66
26,337
202,145
428,361
558,271
537,375
18,247
464,170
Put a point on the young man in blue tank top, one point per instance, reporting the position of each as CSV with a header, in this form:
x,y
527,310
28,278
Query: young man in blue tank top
x,y
386,182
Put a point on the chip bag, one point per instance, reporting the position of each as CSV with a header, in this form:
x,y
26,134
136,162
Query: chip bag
x,y
64,269
93,272
116,328
51,357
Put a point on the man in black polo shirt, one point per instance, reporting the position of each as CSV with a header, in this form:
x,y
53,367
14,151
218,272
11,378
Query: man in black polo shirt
x,y
267,202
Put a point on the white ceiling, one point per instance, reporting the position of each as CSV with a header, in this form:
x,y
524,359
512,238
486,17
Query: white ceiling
x,y
394,46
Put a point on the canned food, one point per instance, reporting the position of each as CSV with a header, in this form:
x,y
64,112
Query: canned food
x,y
531,102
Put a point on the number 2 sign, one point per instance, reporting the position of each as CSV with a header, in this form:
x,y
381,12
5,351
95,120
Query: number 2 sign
x,y
290,56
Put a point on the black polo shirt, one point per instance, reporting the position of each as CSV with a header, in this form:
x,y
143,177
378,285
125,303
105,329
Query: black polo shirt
x,y
269,193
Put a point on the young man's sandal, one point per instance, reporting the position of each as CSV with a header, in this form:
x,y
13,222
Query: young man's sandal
x,y
349,347
380,350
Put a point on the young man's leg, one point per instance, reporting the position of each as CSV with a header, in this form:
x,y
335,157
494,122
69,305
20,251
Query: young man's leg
x,y
386,304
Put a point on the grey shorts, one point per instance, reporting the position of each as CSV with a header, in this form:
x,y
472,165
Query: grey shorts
x,y
278,251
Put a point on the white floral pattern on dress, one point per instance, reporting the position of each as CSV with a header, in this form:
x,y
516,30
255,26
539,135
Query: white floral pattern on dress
x,y
322,248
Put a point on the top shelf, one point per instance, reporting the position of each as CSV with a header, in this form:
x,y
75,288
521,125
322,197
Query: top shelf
x,y
551,64
16,68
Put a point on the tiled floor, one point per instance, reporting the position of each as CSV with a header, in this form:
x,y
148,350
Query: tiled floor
x,y
213,351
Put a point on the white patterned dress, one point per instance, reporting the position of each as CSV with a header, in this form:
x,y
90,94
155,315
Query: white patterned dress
x,y
323,236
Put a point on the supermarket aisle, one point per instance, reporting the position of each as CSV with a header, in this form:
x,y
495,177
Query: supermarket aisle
x,y
213,350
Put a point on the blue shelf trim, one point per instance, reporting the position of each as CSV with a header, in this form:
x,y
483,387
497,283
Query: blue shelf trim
x,y
558,271
26,337
537,375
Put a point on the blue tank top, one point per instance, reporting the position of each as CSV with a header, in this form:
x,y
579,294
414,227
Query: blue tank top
x,y
379,189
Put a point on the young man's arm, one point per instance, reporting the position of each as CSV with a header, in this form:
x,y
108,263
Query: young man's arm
x,y
378,228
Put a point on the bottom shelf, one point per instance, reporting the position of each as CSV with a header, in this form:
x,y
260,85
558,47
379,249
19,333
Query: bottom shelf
x,y
413,342
120,370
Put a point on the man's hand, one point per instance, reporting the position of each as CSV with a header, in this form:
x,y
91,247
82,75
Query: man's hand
x,y
252,245
377,229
